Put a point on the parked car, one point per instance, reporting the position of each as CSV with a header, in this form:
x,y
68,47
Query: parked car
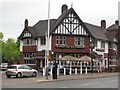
x,y
20,71
3,66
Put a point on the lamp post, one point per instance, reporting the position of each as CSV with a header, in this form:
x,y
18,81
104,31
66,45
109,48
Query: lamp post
x,y
109,46
91,46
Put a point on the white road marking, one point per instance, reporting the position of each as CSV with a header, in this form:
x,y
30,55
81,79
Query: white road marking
x,y
89,84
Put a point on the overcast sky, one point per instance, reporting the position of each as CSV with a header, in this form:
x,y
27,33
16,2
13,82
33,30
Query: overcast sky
x,y
14,12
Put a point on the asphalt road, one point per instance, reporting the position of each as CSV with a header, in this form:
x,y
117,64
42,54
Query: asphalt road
x,y
105,82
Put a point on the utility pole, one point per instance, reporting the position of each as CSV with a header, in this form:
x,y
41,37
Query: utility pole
x,y
118,48
48,40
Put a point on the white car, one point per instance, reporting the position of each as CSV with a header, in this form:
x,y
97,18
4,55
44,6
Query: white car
x,y
20,71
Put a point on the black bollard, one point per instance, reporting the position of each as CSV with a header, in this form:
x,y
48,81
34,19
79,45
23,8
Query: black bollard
x,y
54,70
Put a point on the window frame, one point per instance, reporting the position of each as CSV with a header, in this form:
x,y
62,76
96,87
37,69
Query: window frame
x,y
79,41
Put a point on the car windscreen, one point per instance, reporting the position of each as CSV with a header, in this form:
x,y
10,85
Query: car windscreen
x,y
12,67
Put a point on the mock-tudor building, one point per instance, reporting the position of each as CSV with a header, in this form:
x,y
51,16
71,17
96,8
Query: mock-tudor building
x,y
69,35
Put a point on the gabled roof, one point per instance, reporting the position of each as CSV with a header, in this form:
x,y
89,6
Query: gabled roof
x,y
112,32
97,32
40,28
64,15
29,29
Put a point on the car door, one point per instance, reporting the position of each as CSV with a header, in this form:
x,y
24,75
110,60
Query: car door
x,y
22,70
27,70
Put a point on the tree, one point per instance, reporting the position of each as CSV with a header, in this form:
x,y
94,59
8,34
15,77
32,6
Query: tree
x,y
1,35
1,39
10,50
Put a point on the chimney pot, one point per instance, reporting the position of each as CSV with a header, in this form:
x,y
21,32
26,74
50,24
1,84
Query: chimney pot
x,y
26,22
103,24
117,22
64,8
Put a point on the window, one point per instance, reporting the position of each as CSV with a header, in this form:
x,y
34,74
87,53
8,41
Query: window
x,y
96,43
27,34
102,44
29,41
79,41
60,40
43,41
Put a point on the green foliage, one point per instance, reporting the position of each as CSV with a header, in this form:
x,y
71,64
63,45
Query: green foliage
x,y
1,35
10,50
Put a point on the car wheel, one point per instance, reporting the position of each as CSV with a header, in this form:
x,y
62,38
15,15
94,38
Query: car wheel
x,y
34,74
8,76
19,75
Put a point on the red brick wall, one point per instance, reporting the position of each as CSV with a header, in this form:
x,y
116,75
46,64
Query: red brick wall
x,y
29,48
70,42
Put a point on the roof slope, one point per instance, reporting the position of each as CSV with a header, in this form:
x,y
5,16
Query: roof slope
x,y
41,27
97,31
112,27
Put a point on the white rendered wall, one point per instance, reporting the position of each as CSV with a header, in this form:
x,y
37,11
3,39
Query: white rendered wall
x,y
99,47
106,47
41,47
21,45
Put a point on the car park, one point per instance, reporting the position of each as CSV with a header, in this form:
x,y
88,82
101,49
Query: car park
x,y
20,71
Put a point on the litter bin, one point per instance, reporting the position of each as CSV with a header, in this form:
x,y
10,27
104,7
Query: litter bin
x,y
54,70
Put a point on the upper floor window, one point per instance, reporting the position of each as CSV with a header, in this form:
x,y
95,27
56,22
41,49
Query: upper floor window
x,y
28,41
79,41
27,34
43,41
102,44
60,40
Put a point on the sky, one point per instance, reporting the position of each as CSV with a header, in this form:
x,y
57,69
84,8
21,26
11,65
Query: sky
x,y
14,13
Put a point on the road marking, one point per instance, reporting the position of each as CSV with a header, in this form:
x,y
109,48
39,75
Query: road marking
x,y
112,80
89,84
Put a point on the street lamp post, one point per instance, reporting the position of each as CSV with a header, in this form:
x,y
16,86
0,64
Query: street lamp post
x,y
91,46
109,46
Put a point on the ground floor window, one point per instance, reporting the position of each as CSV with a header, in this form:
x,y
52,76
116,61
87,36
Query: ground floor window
x,y
28,61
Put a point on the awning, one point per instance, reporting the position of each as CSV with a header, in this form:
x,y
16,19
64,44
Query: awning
x,y
86,59
67,57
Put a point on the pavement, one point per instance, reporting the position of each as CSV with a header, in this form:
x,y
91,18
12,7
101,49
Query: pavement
x,y
75,77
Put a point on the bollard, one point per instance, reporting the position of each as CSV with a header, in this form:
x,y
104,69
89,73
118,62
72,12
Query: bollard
x,y
57,71
75,70
44,71
80,67
64,71
85,70
51,69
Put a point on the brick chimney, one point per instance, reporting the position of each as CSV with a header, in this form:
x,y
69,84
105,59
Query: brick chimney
x,y
26,22
103,24
64,8
117,23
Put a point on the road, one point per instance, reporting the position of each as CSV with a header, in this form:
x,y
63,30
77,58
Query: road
x,y
106,82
